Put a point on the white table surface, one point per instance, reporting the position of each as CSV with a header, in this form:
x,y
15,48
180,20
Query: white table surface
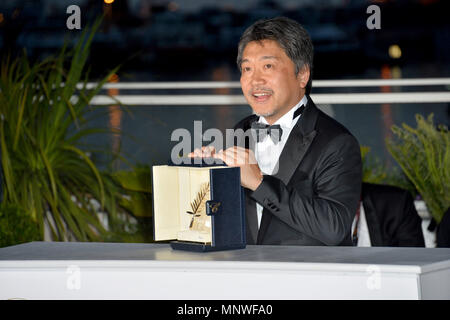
x,y
75,270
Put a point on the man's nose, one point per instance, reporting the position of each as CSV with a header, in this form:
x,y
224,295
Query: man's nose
x,y
257,78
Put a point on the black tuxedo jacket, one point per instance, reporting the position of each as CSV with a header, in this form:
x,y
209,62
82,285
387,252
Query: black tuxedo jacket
x,y
313,197
391,216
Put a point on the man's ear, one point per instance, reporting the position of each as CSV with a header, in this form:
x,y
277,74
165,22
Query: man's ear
x,y
303,76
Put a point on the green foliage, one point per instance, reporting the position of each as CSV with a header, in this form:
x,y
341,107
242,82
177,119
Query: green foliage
x,y
136,199
16,226
423,153
137,189
374,171
47,171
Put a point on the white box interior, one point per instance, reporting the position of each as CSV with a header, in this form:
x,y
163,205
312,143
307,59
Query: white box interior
x,y
174,189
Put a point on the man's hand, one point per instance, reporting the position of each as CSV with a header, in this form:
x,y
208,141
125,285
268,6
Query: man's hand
x,y
251,175
204,152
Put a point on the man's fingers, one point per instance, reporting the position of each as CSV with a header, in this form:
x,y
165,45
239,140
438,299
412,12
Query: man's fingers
x,y
204,152
198,152
208,151
234,156
192,154
225,157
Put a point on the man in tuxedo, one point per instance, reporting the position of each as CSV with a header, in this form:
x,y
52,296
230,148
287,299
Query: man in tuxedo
x,y
302,174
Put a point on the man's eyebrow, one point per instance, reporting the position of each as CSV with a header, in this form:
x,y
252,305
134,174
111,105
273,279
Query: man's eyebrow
x,y
262,58
269,57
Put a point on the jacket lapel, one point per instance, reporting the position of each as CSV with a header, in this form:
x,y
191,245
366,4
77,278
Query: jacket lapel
x,y
298,143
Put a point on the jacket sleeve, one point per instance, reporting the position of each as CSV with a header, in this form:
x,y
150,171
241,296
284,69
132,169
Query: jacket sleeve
x,y
323,207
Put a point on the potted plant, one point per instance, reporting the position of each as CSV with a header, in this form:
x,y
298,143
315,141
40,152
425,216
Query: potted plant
x,y
47,171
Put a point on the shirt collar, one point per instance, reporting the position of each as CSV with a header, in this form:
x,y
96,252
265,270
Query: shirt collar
x,y
286,120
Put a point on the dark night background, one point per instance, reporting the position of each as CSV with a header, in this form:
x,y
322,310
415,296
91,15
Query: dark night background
x,y
188,40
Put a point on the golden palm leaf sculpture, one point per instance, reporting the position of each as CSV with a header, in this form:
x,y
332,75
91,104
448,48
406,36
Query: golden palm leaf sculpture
x,y
199,203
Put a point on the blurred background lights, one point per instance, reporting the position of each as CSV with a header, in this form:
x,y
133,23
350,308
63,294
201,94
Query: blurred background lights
x,y
108,1
395,52
172,6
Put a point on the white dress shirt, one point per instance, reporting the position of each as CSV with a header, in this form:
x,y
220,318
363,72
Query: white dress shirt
x,y
267,152
363,230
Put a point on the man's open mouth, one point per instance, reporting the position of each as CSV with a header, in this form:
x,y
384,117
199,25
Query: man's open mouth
x,y
261,96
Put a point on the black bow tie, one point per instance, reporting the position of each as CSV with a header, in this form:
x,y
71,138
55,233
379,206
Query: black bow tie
x,y
273,131
262,130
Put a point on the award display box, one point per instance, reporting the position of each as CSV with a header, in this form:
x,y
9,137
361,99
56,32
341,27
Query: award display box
x,y
199,206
